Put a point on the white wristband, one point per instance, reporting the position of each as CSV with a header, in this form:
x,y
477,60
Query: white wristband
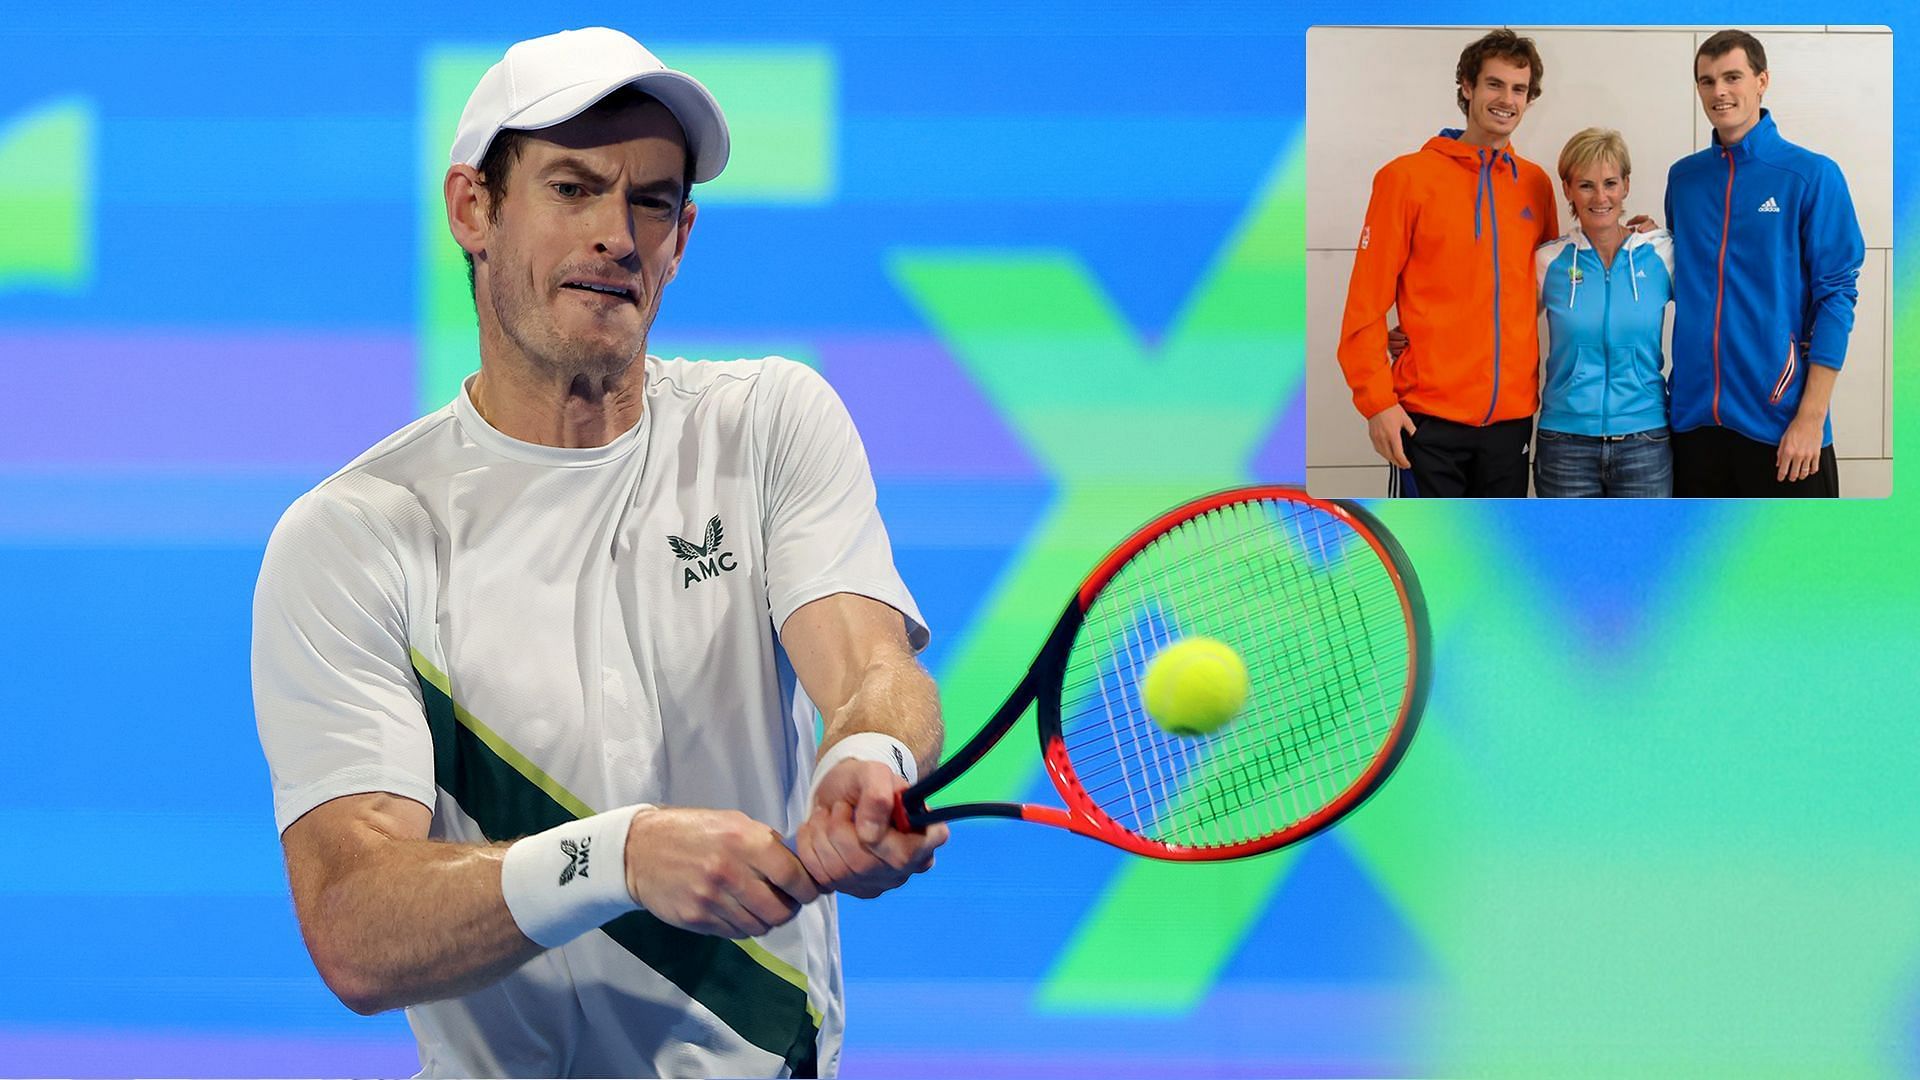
x,y
568,880
869,746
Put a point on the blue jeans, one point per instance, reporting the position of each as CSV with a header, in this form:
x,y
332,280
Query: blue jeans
x,y
1637,466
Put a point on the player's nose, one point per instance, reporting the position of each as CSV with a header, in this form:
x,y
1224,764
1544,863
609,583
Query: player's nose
x,y
613,230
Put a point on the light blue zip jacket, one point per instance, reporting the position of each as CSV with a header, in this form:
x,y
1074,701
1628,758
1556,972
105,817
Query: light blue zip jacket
x,y
1604,362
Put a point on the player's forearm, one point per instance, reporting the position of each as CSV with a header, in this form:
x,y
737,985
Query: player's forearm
x,y
1817,398
895,696
413,921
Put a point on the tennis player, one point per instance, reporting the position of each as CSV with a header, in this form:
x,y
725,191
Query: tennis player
x,y
536,675
1449,238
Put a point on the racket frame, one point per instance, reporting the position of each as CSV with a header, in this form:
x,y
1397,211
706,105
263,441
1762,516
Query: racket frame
x,y
1042,685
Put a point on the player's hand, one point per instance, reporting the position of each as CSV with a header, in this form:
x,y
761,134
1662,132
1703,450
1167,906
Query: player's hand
x,y
1397,341
850,845
1384,428
1640,223
714,871
1799,453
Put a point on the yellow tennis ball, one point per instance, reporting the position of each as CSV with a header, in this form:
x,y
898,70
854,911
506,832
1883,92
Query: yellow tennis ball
x,y
1194,686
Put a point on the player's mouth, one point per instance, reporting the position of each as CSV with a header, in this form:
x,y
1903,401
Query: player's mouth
x,y
1723,107
1500,114
599,288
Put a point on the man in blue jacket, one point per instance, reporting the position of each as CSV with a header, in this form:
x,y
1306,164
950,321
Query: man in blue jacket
x,y
1767,251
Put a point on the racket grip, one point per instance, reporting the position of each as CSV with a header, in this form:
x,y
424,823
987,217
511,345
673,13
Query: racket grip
x,y
900,819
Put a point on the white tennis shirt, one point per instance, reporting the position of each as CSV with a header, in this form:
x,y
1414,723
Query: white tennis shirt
x,y
515,635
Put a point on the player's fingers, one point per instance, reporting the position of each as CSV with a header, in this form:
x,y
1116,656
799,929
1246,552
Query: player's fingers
x,y
733,915
905,853
1399,453
768,905
874,813
826,845
935,835
833,841
806,845
845,838
784,871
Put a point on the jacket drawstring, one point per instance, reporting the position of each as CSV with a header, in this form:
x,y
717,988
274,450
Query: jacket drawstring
x,y
1483,188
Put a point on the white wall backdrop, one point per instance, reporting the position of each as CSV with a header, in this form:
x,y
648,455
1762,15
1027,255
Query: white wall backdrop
x,y
1374,93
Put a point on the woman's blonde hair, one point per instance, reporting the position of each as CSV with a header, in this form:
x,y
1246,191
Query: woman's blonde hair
x,y
1594,144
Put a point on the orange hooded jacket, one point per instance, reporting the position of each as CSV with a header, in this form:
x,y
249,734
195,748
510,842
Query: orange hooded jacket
x,y
1449,238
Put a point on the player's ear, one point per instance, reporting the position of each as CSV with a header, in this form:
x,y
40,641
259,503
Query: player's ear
x,y
467,202
1762,80
688,211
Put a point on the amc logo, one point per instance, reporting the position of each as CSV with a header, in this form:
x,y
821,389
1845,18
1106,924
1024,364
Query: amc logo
x,y
706,558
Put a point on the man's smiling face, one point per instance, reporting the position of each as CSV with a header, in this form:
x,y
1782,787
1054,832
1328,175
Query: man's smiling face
x,y
1730,92
1496,100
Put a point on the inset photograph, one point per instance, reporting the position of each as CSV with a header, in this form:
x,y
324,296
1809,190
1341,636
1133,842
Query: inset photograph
x,y
1620,262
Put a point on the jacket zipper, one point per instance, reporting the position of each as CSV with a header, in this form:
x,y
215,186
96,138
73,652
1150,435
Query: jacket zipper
x,y
1606,341
1786,373
1493,219
1726,224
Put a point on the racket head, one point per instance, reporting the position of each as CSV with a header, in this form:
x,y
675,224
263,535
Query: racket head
x,y
1323,606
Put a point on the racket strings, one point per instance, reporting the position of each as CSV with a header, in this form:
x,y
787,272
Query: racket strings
x,y
1321,627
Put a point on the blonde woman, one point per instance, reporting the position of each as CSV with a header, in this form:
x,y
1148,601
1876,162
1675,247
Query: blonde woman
x,y
1605,290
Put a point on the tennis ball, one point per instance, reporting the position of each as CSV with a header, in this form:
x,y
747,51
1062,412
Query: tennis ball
x,y
1194,685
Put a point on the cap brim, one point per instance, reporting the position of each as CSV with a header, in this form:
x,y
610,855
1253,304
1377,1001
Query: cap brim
x,y
691,104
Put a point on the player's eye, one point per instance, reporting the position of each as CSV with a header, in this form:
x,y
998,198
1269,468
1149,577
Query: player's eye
x,y
567,190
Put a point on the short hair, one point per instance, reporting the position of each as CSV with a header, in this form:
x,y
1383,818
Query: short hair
x,y
1724,42
497,163
1593,145
1506,45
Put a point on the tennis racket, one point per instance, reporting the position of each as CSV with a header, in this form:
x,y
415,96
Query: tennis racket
x,y
1321,604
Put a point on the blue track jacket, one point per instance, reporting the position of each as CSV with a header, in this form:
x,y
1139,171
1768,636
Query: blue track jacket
x,y
1767,251
1604,362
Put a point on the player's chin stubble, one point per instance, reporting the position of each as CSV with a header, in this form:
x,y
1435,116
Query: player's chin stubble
x,y
535,331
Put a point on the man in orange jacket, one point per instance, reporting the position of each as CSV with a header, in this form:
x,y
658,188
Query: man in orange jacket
x,y
1449,239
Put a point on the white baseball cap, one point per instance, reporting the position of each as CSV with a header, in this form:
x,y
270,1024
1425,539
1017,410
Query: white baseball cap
x,y
548,80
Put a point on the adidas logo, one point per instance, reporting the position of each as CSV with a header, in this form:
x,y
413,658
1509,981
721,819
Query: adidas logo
x,y
1769,207
707,558
1526,213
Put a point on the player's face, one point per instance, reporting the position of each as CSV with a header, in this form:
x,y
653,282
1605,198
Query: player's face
x,y
1597,192
591,230
1496,101
1729,92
